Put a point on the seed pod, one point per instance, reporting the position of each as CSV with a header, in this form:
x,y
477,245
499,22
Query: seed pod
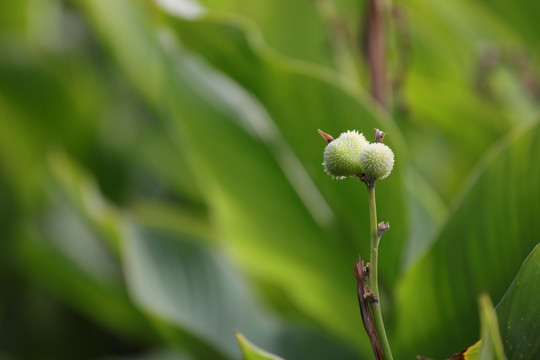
x,y
377,160
342,156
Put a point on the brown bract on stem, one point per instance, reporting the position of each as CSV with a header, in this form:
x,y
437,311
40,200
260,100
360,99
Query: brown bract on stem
x,y
382,228
364,298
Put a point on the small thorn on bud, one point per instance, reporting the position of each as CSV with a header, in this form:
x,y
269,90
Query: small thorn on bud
x,y
382,228
379,136
326,136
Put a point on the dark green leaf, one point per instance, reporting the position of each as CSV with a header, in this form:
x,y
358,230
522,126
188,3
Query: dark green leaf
x,y
519,311
437,296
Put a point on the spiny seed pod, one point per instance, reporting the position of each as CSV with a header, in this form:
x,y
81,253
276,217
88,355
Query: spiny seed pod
x,y
342,155
377,160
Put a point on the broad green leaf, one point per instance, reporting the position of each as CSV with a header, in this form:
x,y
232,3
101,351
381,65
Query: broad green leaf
x,y
252,352
86,197
519,311
194,297
436,297
159,157
176,280
428,213
48,99
52,268
187,286
299,33
168,216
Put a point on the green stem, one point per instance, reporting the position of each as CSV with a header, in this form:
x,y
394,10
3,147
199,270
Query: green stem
x,y
373,273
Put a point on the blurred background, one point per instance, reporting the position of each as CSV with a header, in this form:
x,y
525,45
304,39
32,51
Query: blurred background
x,y
161,183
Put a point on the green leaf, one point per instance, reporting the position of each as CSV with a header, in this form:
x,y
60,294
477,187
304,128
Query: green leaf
x,y
84,194
299,37
174,278
519,311
252,352
52,259
192,296
436,297
189,287
492,348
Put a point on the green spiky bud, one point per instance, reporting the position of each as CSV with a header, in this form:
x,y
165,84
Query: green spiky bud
x,y
377,160
342,155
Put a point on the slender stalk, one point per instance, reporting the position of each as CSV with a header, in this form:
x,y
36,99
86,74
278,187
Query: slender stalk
x,y
373,273
376,51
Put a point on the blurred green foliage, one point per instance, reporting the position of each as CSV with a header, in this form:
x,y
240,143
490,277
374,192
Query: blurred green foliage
x,y
161,183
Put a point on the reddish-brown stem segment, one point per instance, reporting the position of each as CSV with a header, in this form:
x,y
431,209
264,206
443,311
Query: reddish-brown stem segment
x,y
376,51
360,274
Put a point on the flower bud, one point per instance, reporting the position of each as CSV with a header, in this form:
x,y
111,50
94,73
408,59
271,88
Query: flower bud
x,y
342,155
377,160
